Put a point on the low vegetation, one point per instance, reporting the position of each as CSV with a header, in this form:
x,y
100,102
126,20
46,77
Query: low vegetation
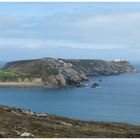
x,y
49,71
17,123
13,76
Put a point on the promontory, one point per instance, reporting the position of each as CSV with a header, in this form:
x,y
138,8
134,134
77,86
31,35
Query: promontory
x,y
54,73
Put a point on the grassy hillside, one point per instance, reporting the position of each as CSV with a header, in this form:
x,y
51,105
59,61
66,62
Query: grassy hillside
x,y
65,72
13,75
17,123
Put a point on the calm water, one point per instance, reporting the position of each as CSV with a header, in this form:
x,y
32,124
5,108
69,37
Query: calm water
x,y
118,99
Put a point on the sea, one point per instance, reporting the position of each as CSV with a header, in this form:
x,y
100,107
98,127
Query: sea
x,y
117,99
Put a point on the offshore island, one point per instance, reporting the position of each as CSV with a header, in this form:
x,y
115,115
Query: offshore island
x,y
58,73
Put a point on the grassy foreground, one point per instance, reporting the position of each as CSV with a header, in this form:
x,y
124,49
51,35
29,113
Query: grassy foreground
x,y
21,123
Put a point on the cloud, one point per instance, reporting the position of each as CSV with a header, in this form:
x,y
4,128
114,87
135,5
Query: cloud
x,y
113,29
96,26
78,45
29,25
44,44
88,27
21,43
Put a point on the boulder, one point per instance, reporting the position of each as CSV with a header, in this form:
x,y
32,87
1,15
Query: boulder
x,y
26,134
51,81
61,80
94,85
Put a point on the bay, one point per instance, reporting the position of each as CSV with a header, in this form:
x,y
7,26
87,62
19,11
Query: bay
x,y
116,100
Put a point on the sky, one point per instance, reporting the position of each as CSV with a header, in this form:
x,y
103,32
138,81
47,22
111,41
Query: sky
x,y
70,30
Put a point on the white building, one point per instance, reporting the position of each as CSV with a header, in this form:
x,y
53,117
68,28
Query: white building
x,y
118,60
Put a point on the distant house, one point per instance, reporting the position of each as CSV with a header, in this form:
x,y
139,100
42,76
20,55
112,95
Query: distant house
x,y
118,60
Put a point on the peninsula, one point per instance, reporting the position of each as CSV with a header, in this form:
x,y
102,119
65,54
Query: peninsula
x,y
55,73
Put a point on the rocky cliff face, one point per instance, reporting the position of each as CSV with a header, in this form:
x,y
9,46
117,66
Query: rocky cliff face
x,y
65,73
100,67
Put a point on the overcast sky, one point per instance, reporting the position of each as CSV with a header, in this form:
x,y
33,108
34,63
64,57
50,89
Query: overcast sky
x,y
70,30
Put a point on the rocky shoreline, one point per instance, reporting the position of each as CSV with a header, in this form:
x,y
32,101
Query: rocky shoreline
x,y
59,73
20,123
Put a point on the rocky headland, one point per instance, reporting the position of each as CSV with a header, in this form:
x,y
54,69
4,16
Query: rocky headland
x,y
54,73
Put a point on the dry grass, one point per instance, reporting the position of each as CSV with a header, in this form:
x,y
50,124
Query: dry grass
x,y
14,122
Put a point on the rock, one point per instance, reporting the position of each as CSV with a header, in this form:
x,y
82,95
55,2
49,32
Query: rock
x,y
26,134
83,77
72,81
16,113
65,123
56,73
41,115
61,61
51,81
17,132
61,80
94,85
27,112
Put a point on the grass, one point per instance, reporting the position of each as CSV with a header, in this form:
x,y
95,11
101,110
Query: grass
x,y
48,71
13,76
13,120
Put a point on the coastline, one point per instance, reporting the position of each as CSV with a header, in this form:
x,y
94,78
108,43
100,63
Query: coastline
x,y
37,83
58,73
21,85
32,85
20,123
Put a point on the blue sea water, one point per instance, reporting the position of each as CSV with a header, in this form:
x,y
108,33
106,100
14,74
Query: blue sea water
x,y
116,100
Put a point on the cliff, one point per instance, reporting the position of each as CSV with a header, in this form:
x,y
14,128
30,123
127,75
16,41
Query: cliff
x,y
67,72
19,123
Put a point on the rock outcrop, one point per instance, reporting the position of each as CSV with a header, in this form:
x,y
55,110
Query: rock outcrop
x,y
67,72
95,85
101,67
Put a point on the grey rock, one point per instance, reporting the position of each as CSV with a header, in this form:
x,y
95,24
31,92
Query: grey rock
x,y
26,134
61,80
68,72
95,85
